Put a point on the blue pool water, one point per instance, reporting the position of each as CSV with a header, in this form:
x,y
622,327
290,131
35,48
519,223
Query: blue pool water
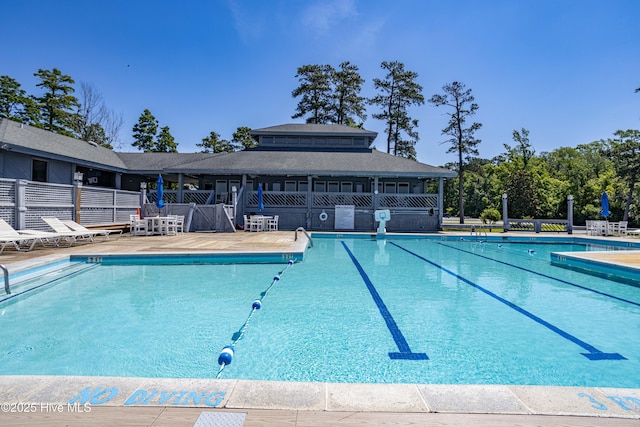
x,y
355,310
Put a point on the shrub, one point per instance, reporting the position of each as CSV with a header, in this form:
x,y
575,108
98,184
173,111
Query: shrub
x,y
490,216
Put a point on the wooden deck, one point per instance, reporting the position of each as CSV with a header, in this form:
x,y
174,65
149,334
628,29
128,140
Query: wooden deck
x,y
340,405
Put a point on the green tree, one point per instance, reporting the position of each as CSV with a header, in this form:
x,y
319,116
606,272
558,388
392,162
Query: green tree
x,y
242,138
145,131
522,152
398,91
348,104
58,103
213,144
523,200
13,100
165,142
315,92
463,141
624,152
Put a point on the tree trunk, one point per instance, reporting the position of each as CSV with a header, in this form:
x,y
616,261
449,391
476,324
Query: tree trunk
x,y
629,199
460,185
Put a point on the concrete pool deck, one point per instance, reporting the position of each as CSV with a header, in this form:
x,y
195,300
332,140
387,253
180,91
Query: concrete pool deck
x,y
53,400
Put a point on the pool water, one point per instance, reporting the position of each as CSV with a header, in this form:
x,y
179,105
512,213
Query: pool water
x,y
355,310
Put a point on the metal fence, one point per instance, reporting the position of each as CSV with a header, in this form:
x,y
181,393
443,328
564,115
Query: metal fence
x,y
22,203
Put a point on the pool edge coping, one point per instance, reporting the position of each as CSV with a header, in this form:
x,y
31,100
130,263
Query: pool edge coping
x,y
81,393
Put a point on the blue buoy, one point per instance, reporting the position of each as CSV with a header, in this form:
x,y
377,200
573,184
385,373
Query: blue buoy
x,y
291,261
531,252
499,246
257,304
276,277
226,356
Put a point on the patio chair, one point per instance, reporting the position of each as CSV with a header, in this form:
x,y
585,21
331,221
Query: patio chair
x,y
170,226
138,226
106,234
247,223
272,223
622,228
59,228
256,223
180,224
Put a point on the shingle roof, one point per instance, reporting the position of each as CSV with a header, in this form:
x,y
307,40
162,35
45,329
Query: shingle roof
x,y
315,163
157,162
34,141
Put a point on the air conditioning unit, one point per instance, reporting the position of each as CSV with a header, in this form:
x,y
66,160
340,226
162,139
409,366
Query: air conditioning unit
x,y
92,180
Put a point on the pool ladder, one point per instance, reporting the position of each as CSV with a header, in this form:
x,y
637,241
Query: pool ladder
x,y
7,288
305,233
478,231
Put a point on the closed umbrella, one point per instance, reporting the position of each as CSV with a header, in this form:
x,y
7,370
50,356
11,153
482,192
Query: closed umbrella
x,y
160,192
604,202
260,200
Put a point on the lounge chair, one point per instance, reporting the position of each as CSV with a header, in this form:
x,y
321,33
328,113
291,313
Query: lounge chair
x,y
25,240
77,236
106,234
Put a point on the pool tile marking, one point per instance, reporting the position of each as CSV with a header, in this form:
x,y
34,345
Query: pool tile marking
x,y
593,353
405,352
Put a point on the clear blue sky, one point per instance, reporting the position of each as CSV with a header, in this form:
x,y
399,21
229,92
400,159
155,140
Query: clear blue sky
x,y
565,70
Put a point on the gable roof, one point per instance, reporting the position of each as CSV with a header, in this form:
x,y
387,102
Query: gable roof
x,y
30,140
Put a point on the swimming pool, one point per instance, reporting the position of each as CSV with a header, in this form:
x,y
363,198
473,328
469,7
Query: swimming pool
x,y
356,310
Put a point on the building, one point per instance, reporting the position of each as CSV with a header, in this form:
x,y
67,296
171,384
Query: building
x,y
321,177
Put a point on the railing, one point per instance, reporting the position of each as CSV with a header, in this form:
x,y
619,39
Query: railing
x,y
7,289
538,225
408,201
199,197
280,199
305,233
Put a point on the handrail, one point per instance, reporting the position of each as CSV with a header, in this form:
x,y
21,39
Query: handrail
x,y
305,233
7,289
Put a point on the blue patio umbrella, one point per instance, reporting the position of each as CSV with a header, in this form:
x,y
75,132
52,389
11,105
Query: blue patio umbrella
x,y
260,200
160,192
604,202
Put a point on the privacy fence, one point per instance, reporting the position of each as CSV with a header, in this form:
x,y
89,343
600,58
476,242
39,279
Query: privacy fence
x,y
22,203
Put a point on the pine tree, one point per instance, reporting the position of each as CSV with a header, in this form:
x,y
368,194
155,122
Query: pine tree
x,y
398,91
57,104
463,141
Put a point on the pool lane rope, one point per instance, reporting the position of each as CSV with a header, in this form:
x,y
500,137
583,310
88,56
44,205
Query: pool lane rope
x,y
226,355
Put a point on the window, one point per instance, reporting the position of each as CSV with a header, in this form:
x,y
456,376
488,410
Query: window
x,y
320,186
403,187
346,187
333,187
389,187
39,171
275,186
303,186
289,186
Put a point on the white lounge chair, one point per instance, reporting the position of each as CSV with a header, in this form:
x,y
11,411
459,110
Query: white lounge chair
x,y
77,236
25,240
105,233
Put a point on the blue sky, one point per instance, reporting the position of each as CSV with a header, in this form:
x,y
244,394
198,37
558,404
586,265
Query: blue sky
x,y
565,70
